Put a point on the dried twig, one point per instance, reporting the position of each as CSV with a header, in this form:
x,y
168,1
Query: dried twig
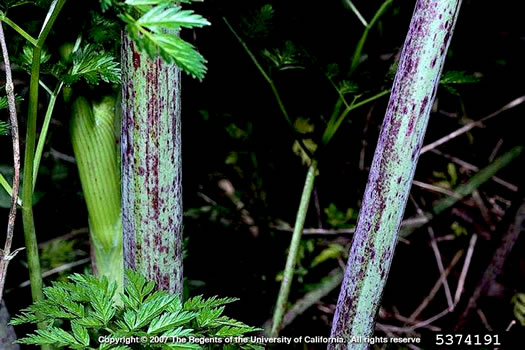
x,y
484,320
58,269
439,261
464,270
472,125
498,260
435,288
437,189
6,254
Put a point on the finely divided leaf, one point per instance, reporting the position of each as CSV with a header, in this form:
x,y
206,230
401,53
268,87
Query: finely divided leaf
x,y
168,321
93,66
171,17
4,128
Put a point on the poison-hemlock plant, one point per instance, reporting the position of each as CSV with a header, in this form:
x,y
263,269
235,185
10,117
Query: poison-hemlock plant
x,y
85,313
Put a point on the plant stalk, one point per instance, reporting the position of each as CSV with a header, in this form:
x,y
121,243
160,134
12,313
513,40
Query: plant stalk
x,y
393,168
291,260
151,167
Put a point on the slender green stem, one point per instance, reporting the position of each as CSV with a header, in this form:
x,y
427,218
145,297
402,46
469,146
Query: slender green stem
x,y
354,9
19,30
263,73
35,276
27,192
45,87
291,260
359,48
51,17
7,187
43,132
333,125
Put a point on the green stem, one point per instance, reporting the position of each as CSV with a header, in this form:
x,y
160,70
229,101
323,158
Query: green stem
x,y
27,191
35,276
43,132
7,187
359,48
263,73
291,260
51,17
333,125
19,30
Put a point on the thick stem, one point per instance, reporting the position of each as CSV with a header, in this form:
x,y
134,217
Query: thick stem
x,y
393,168
96,153
151,167
291,260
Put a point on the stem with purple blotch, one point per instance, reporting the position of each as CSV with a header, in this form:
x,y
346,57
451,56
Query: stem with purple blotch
x,y
393,167
151,167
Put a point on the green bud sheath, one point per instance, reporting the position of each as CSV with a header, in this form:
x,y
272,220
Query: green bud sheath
x,y
96,153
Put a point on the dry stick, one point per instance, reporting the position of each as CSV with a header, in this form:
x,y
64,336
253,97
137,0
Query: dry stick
x,y
6,255
435,288
465,268
471,125
423,324
472,167
435,188
484,320
498,260
58,269
439,261
416,221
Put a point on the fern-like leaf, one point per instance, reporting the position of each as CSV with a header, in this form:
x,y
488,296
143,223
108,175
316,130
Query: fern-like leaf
x,y
93,66
4,128
167,16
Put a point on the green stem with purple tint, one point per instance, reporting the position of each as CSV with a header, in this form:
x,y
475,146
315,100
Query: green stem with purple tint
x,y
393,168
151,167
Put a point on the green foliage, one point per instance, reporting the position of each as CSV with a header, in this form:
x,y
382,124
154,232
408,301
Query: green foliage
x,y
258,24
7,4
458,229
86,308
450,79
93,66
448,180
287,58
103,30
26,58
156,28
519,307
333,251
340,219
4,128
